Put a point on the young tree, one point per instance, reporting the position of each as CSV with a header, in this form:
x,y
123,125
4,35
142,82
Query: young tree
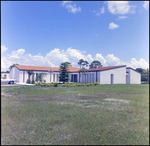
x,y
39,77
83,72
95,64
81,61
64,72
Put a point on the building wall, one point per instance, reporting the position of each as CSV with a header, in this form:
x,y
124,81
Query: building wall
x,y
135,77
119,75
89,77
17,74
5,74
128,76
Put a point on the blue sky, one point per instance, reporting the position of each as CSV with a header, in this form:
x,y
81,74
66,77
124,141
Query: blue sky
x,y
46,33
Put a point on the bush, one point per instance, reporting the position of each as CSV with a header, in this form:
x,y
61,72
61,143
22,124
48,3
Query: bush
x,y
36,84
88,84
55,84
28,81
63,85
91,84
42,84
73,85
79,84
68,85
47,84
83,84
96,83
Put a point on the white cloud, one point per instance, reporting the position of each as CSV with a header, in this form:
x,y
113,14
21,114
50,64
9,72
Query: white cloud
x,y
56,56
65,2
100,11
71,8
120,7
122,17
146,5
3,48
100,58
112,60
113,25
17,54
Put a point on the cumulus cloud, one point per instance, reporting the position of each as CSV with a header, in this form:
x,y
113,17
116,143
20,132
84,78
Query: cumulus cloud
x,y
122,17
120,7
146,5
71,8
65,2
3,48
56,56
100,11
113,25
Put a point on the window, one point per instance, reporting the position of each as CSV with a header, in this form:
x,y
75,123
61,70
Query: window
x,y
90,78
87,78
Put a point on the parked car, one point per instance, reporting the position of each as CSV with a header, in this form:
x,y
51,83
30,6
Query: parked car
x,y
7,81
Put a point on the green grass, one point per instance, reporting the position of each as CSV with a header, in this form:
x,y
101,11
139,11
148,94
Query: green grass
x,y
102,114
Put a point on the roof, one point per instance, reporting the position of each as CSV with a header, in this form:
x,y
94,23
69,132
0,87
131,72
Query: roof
x,y
133,69
41,68
106,68
71,69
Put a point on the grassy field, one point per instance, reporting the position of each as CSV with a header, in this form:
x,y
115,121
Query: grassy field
x,y
102,114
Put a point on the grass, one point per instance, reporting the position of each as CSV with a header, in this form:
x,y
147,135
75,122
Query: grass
x,y
102,114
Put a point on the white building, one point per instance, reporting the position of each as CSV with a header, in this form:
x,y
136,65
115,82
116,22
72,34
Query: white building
x,y
5,75
103,75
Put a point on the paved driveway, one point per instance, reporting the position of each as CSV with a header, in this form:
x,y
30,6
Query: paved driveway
x,y
16,84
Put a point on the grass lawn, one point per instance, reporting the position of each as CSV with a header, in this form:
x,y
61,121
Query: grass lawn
x,y
102,114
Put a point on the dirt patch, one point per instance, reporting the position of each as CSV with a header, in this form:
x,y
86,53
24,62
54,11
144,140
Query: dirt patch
x,y
5,94
120,100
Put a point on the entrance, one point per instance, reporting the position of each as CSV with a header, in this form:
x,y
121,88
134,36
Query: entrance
x,y
112,78
74,78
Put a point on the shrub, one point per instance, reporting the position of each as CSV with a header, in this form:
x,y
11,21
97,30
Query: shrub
x,y
91,84
68,85
83,84
63,85
96,83
42,84
32,82
88,84
36,84
73,85
55,84
79,84
47,84
28,81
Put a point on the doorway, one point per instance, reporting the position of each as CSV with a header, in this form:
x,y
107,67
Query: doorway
x,y
112,78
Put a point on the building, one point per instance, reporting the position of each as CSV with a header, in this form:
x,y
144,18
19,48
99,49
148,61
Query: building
x,y
5,75
104,75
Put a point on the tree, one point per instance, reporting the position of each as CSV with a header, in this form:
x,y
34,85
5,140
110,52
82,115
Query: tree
x,y
64,72
85,63
140,70
83,72
39,77
81,61
12,66
95,64
30,72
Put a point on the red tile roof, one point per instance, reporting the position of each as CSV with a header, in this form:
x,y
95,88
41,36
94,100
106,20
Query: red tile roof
x,y
71,69
106,68
41,68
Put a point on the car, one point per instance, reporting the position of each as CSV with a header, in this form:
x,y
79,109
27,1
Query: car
x,y
7,81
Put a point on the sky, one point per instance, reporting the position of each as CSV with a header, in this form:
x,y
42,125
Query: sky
x,y
47,33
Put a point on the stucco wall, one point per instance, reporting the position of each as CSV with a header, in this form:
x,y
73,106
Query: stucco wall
x,y
7,75
118,73
135,77
17,74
